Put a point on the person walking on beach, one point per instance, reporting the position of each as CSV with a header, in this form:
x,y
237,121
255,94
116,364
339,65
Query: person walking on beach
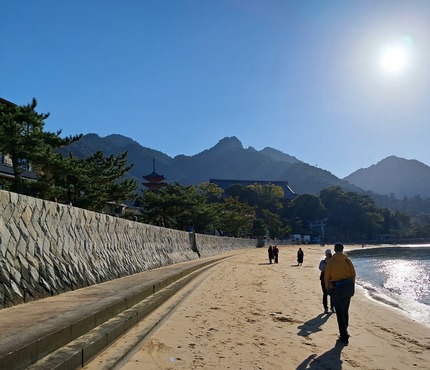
x,y
339,279
322,266
270,251
300,255
275,253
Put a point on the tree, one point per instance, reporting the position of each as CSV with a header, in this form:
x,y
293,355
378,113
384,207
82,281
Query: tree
x,y
306,207
351,216
22,137
212,192
51,172
273,223
91,182
237,218
179,206
262,196
265,197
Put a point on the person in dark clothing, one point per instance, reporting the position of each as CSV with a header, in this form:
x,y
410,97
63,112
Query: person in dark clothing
x,y
275,253
322,266
300,255
339,278
270,251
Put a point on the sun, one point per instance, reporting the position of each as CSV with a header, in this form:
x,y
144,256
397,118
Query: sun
x,y
395,57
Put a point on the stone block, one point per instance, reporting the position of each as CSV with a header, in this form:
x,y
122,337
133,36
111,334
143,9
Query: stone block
x,y
94,347
110,312
53,341
21,358
83,326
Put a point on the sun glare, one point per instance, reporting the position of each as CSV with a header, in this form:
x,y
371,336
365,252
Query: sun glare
x,y
395,57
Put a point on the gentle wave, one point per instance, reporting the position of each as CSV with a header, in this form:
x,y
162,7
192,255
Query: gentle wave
x,y
374,293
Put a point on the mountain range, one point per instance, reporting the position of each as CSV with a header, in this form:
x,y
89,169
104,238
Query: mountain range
x,y
394,176
228,159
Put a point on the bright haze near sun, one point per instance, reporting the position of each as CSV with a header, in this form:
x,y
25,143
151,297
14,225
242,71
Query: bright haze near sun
x,y
396,56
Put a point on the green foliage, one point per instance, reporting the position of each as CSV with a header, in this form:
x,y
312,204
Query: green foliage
x,y
259,228
91,182
306,207
179,206
237,218
262,196
88,183
272,222
257,210
212,192
23,138
351,216
183,206
267,201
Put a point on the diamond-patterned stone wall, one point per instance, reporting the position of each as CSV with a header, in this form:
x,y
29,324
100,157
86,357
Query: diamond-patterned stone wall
x,y
47,248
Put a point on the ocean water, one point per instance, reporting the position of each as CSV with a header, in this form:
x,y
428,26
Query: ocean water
x,y
398,276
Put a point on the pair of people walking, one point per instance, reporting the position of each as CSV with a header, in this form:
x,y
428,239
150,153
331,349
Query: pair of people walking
x,y
273,253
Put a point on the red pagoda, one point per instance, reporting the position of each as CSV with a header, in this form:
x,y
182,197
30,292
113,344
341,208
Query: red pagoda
x,y
155,181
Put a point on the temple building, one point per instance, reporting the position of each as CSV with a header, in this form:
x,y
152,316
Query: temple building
x,y
154,180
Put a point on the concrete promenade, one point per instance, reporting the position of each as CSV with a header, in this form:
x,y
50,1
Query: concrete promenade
x,y
68,330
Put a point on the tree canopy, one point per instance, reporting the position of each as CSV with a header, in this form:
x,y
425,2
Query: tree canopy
x,y
23,138
86,182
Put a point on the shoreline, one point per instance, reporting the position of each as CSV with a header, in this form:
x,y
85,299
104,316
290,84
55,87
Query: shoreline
x,y
379,296
247,314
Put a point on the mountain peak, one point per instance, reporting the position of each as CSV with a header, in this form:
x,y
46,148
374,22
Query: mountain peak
x,y
227,143
393,175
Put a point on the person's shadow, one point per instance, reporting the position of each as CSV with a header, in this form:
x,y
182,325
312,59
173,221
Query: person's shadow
x,y
328,360
313,325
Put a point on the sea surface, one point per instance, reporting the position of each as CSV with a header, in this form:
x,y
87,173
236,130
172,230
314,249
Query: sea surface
x,y
398,276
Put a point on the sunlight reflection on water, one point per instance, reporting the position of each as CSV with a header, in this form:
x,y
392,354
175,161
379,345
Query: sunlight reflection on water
x,y
406,277
398,276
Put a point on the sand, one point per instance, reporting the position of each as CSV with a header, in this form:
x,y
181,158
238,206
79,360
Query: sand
x,y
247,314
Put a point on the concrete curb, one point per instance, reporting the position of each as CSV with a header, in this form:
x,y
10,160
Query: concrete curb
x,y
75,344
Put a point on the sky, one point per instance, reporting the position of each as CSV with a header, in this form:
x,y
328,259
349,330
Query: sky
x,y
340,85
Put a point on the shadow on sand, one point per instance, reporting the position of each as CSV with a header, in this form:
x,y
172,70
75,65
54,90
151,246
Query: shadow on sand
x,y
328,360
313,325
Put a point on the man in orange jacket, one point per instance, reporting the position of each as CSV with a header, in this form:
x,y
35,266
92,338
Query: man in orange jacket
x,y
339,279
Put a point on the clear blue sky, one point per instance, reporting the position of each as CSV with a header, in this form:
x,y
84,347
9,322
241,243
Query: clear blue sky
x,y
304,77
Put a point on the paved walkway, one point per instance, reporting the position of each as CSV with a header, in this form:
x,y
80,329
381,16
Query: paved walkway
x,y
32,330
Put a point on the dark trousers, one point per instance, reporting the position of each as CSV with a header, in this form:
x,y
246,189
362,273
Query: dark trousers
x,y
325,296
341,303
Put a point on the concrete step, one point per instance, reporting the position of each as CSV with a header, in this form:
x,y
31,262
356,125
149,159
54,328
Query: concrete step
x,y
67,331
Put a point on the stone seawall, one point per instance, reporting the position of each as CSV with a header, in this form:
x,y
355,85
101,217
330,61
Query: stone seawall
x,y
47,248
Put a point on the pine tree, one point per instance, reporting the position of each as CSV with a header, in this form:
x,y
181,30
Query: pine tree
x,y
22,137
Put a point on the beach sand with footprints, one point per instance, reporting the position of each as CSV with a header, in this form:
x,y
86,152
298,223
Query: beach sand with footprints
x,y
248,314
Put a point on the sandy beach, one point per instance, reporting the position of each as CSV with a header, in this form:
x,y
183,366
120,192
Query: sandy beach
x,y
248,314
